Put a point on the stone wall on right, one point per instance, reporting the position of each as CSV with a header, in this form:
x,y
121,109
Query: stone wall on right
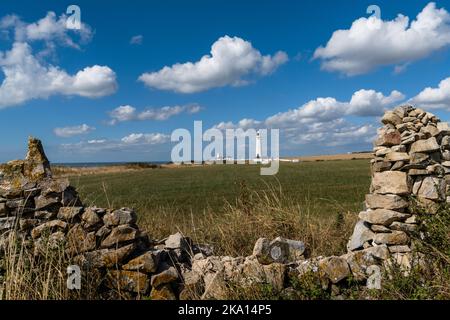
x,y
410,171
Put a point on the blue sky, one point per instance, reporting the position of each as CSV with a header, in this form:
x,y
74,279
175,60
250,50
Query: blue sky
x,y
66,86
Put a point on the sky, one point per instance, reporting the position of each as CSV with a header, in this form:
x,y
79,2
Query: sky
x,y
322,72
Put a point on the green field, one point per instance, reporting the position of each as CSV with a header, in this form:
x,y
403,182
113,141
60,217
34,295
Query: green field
x,y
318,186
231,206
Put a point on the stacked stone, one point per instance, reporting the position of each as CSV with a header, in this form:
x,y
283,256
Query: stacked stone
x,y
410,169
46,213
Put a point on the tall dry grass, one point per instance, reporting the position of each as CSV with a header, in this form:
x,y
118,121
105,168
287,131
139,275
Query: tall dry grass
x,y
28,276
40,272
234,230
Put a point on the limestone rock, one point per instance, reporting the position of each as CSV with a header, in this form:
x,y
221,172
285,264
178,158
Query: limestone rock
x,y
426,146
79,241
49,226
397,156
399,249
389,138
443,128
361,234
120,234
167,276
178,241
42,202
380,166
91,218
394,182
386,201
359,261
432,188
391,118
69,213
405,227
379,228
261,251
120,217
394,238
382,216
105,258
336,268
147,262
36,166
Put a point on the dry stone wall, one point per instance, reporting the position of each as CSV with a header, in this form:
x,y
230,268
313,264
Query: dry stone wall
x,y
410,170
410,174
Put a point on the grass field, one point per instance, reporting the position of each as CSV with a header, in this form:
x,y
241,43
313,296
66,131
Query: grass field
x,y
320,187
230,206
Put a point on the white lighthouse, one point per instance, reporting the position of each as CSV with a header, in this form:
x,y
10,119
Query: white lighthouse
x,y
258,148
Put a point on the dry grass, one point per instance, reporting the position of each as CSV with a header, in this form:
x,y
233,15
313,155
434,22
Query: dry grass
x,y
28,276
41,275
254,215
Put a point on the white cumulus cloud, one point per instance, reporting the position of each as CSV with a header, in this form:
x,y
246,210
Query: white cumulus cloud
x,y
146,138
127,113
231,61
26,78
133,142
435,98
49,29
324,120
371,42
67,132
364,103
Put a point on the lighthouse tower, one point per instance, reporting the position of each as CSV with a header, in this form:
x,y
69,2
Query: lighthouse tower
x,y
258,147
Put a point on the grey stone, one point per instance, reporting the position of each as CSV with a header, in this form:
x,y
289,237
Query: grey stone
x,y
43,202
90,218
432,188
120,234
336,268
425,146
391,117
397,156
49,226
393,182
379,228
388,138
120,217
399,249
405,227
380,166
386,201
69,213
361,234
178,241
147,262
167,276
382,216
393,238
